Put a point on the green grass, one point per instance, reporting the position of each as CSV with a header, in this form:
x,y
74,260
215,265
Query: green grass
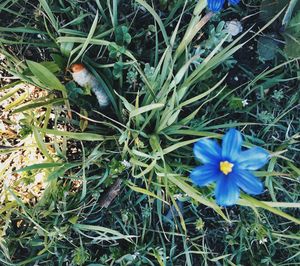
x,y
170,74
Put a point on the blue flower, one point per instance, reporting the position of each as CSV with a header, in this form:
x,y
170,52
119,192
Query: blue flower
x,y
217,5
229,166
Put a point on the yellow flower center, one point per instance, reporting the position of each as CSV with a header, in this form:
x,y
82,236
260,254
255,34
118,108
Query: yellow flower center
x,y
226,167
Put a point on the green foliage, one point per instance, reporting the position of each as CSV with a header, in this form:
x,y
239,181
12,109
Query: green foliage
x,y
45,76
167,68
236,103
267,48
122,35
269,8
292,37
288,20
118,69
80,256
216,35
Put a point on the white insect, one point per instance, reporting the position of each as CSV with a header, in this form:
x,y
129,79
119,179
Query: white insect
x,y
85,79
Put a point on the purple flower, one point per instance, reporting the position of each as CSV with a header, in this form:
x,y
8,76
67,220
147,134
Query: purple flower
x,y
229,166
217,5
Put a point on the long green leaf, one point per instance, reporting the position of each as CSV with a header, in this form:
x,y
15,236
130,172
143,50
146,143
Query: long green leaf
x,y
40,143
45,76
75,135
146,108
256,203
178,145
37,104
157,18
88,39
39,166
50,14
97,228
147,192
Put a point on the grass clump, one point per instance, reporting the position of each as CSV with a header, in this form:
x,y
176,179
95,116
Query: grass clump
x,y
116,187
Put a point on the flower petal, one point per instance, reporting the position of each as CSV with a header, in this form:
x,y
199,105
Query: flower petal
x,y
215,5
231,145
253,158
227,192
205,174
207,151
248,182
234,2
